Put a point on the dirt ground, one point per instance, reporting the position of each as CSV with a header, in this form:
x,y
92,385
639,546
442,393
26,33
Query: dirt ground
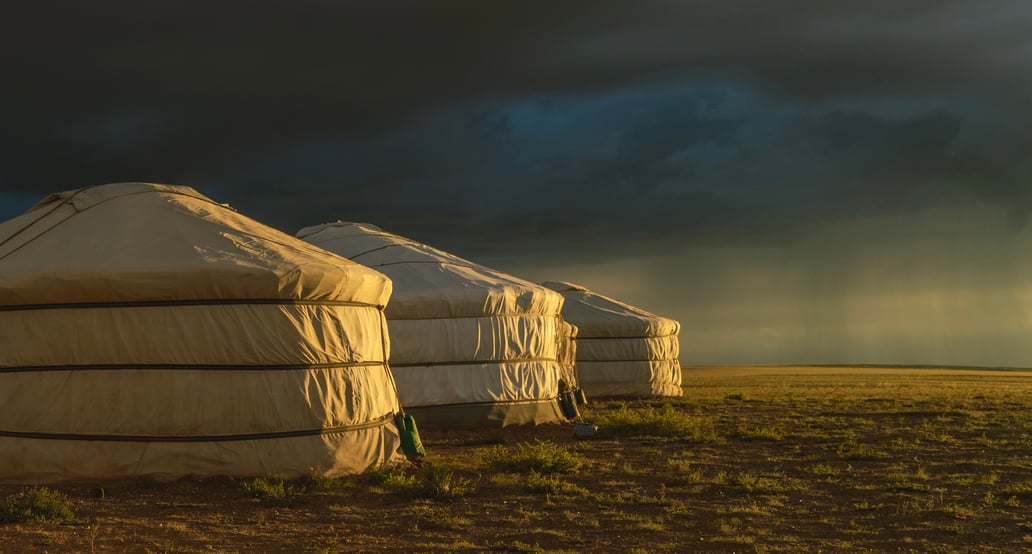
x,y
799,460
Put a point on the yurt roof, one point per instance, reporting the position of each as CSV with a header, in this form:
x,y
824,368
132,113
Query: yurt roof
x,y
429,282
85,246
598,316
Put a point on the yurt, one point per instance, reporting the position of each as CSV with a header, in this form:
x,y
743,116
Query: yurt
x,y
146,330
621,350
566,352
471,346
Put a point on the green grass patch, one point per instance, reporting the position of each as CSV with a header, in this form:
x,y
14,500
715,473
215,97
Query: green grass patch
x,y
610,500
755,483
852,450
37,504
759,433
550,484
268,489
821,470
665,421
440,484
514,546
860,528
680,472
1020,490
539,456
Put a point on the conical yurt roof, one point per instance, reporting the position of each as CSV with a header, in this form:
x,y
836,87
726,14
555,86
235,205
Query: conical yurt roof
x,y
621,350
149,330
598,316
429,280
68,247
471,345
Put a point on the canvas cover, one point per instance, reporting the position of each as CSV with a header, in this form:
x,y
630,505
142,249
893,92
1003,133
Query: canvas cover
x,y
567,352
146,330
471,345
621,350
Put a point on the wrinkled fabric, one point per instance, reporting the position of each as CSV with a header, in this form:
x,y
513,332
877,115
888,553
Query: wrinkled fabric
x,y
146,330
621,350
566,349
609,349
429,282
144,242
332,455
461,333
630,378
473,339
499,382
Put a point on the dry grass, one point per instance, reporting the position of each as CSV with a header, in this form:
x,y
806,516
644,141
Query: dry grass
x,y
749,460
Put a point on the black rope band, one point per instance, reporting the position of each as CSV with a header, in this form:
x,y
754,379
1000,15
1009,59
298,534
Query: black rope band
x,y
187,367
475,362
208,302
578,337
384,420
527,401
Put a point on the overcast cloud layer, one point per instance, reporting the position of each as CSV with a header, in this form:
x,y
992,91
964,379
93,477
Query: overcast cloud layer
x,y
826,182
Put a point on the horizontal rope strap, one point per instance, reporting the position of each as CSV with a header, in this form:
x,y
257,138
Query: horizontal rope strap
x,y
475,362
438,262
627,360
208,302
479,316
380,422
578,337
492,403
378,248
188,367
630,360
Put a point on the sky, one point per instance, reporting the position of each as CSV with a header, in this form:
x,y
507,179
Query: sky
x,y
796,182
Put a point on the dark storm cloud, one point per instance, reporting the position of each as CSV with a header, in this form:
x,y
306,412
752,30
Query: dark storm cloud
x,y
190,91
692,162
806,181
582,121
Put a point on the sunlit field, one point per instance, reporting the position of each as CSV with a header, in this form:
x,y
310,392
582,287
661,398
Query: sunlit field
x,y
764,459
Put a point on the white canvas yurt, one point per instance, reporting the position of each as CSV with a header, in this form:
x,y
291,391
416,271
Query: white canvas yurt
x,y
621,350
567,352
146,330
471,345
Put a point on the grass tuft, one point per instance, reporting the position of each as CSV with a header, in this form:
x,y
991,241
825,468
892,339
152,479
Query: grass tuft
x,y
540,456
514,546
435,483
1020,490
37,504
754,483
759,433
267,489
852,450
550,484
681,472
444,485
821,470
665,421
